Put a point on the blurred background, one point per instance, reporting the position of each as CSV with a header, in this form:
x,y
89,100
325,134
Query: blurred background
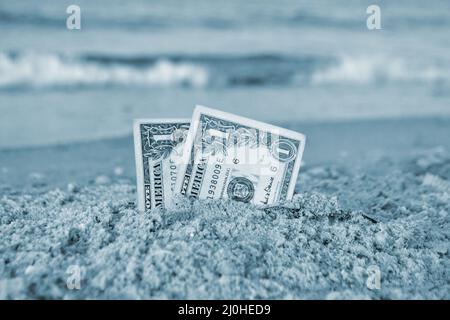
x,y
279,61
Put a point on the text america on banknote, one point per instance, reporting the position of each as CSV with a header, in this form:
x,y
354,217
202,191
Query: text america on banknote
x,y
158,149
228,156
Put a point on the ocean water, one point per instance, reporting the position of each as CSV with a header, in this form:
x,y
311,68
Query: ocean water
x,y
276,61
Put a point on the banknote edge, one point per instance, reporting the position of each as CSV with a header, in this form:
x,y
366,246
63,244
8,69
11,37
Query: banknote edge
x,y
161,120
187,150
296,170
139,164
249,122
138,153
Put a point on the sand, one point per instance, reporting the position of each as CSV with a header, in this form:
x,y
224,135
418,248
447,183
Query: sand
x,y
368,209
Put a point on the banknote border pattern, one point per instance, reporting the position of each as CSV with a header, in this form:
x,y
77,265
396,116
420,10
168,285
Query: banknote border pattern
x,y
200,112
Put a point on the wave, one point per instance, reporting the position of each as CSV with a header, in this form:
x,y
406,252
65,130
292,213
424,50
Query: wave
x,y
369,70
50,70
33,70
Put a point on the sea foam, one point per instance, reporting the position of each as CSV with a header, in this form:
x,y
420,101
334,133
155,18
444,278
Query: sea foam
x,y
51,70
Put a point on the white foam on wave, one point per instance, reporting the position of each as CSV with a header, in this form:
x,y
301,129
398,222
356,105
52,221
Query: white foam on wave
x,y
49,70
367,70
37,70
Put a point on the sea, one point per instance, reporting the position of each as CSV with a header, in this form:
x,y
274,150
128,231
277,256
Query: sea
x,y
285,62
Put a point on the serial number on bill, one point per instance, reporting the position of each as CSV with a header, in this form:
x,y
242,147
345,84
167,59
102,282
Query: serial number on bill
x,y
225,310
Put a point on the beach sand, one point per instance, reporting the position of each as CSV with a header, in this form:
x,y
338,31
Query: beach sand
x,y
371,195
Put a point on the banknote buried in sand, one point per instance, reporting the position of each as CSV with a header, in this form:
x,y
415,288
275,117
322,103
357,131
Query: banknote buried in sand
x,y
158,149
215,155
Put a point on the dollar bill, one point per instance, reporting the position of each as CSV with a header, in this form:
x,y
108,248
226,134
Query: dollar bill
x,y
158,147
228,156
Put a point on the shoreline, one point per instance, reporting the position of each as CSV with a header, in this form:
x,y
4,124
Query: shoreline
x,y
344,143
